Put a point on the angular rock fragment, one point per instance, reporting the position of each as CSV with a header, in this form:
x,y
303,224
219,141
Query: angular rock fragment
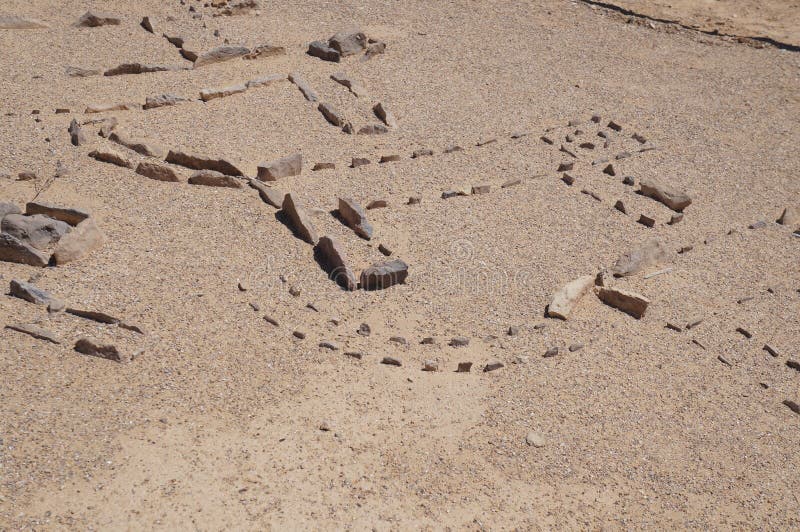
x,y
82,240
323,51
789,216
112,157
76,135
288,166
156,171
628,302
447,194
139,68
305,89
14,22
107,126
298,219
210,178
354,87
332,115
791,405
565,166
384,250
196,162
376,204
348,42
106,107
391,361
609,170
271,196
384,115
620,207
452,149
591,194
334,261
568,179
675,218
374,48
646,255
31,293
565,299
492,366
373,129
355,217
323,166
389,158
613,125
162,100
264,81
78,72
212,94
430,365
481,189
14,250
65,214
414,200
94,20
672,198
358,161
384,275
147,24
646,220
628,180
26,175
264,51
219,54
38,230
464,367
93,348
364,329
35,331
174,40
145,147
300,335
459,341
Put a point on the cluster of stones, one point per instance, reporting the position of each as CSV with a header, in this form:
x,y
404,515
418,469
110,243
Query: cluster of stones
x,y
345,44
88,346
46,234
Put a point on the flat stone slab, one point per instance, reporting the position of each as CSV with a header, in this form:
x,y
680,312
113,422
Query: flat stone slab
x,y
298,219
69,215
288,166
355,217
384,275
628,302
14,250
199,162
565,299
219,54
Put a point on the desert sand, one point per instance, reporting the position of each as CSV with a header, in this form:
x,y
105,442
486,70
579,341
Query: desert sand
x,y
597,213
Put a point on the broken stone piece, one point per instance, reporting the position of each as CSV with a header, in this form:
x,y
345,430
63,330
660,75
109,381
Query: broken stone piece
x,y
459,341
94,20
30,293
141,146
384,115
348,42
162,100
65,214
425,152
354,87
112,157
196,162
270,195
628,302
35,331
334,261
323,166
332,115
373,129
384,275
82,240
492,366
290,165
355,217
90,347
156,171
211,94
323,51
76,135
37,230
391,361
298,219
105,107
672,198
565,299
210,178
219,54
14,250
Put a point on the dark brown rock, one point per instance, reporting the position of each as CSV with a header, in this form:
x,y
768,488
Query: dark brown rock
x,y
156,171
139,68
35,331
391,361
14,250
298,219
628,302
323,51
142,146
355,217
93,348
94,20
162,100
112,157
332,115
210,178
383,113
384,275
270,195
348,42
323,166
76,135
425,152
290,165
332,258
65,214
196,162
464,367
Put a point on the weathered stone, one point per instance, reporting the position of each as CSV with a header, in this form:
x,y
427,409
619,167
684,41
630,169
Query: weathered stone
x,y
112,157
300,335
485,142
358,355
188,54
620,207
389,158
8,208
513,331
565,299
196,162
675,218
613,125
142,146
264,81
106,107
162,100
147,24
14,22
398,340
332,115
332,346
210,178
270,195
459,341
35,331
323,166
535,439
65,214
31,293
376,204
609,170
672,198
107,125
332,258
355,217
647,255
565,166
323,51
364,329
374,48
298,219
359,161
219,54
76,135
174,40
414,200
646,220
481,189
290,165
551,352
373,129
14,250
575,347
384,275
156,171
139,68
305,88
38,230
265,50
789,216
492,366
791,405
212,94
391,361
94,20
447,194
348,42
350,83
93,348
464,367
78,72
26,175
82,240
424,152
626,301
430,365
628,180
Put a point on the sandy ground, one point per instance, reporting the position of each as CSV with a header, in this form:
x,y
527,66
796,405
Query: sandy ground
x,y
217,424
